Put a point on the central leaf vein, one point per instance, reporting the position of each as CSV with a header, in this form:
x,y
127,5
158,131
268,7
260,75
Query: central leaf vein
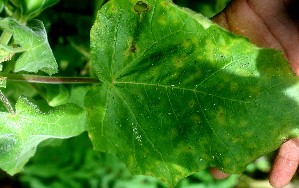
x,y
183,89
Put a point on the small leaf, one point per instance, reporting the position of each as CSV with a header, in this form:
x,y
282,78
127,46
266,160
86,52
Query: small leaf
x,y
20,133
32,39
32,8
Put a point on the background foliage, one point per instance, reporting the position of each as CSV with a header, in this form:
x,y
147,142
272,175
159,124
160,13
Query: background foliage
x,y
73,163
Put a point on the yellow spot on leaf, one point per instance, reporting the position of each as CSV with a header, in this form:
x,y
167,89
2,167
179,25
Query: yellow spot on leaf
x,y
220,116
186,43
164,3
162,20
254,91
249,134
177,62
174,133
191,104
195,119
234,87
113,9
140,6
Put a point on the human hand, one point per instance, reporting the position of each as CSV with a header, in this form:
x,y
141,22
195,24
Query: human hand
x,y
273,24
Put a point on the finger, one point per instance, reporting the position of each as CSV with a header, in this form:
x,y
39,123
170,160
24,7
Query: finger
x,y
218,174
285,164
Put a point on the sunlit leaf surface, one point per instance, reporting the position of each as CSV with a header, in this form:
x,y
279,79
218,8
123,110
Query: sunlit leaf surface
x,y
33,42
20,133
180,94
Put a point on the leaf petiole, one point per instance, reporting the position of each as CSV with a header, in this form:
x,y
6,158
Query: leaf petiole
x,y
49,80
6,103
5,37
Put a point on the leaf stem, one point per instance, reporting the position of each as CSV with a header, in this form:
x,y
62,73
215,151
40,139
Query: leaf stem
x,y
5,37
49,80
6,103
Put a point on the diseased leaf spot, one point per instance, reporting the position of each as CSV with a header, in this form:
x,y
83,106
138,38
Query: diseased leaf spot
x,y
186,44
234,86
133,48
191,104
140,7
162,20
113,9
220,115
195,119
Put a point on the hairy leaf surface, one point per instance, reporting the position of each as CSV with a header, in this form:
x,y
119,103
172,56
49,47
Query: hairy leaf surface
x,y
20,133
33,42
180,94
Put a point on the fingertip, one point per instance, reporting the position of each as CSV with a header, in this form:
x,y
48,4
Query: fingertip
x,y
285,164
282,172
295,68
218,174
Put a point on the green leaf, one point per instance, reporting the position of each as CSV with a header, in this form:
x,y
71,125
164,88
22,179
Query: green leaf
x,y
32,39
77,165
5,55
20,133
32,8
55,94
181,94
2,82
1,5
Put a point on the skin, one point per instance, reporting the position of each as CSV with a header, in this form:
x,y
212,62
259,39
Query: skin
x,y
273,24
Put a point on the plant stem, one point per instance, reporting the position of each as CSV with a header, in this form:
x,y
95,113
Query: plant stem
x,y
5,37
49,79
6,103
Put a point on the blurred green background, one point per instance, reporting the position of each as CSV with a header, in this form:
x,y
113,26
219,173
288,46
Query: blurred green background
x,y
72,163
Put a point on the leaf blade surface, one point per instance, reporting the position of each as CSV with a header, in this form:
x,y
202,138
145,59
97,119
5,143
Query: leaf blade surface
x,y
181,94
32,39
20,133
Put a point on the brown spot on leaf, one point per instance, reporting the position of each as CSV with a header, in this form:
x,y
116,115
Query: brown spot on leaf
x,y
133,48
141,6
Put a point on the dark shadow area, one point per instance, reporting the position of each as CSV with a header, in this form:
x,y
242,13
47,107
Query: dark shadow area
x,y
293,9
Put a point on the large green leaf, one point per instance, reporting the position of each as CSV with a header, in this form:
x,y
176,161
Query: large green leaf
x,y
33,40
180,94
20,133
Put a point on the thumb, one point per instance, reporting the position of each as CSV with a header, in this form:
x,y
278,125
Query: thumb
x,y
218,174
